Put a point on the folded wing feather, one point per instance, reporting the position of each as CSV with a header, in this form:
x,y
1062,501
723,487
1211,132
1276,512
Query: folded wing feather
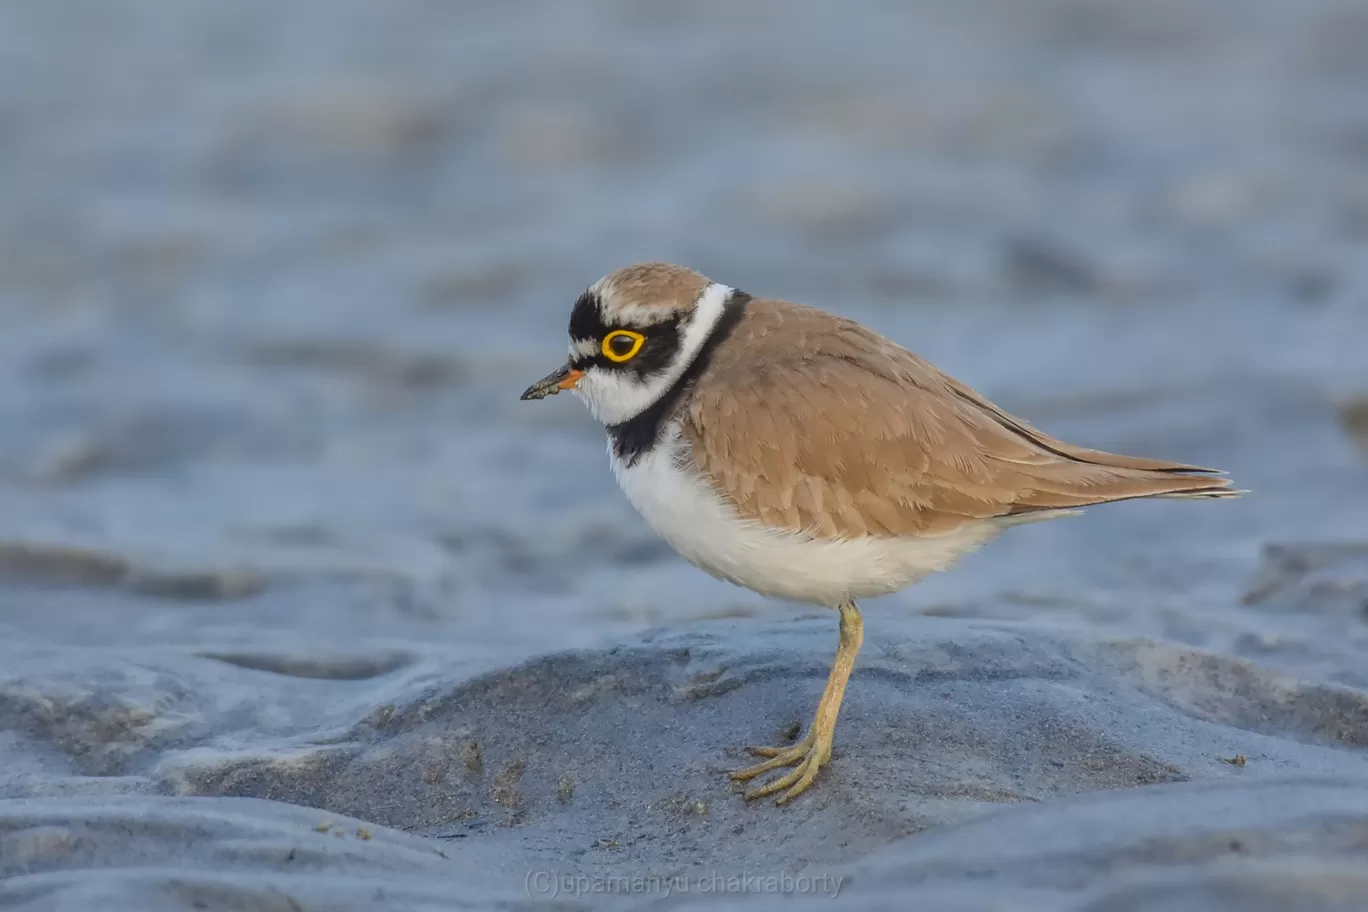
x,y
812,423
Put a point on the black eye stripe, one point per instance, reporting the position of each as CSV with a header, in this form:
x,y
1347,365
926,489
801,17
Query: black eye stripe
x,y
660,348
587,326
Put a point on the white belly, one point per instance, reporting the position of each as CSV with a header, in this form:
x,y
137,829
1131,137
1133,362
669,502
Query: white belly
x,y
685,510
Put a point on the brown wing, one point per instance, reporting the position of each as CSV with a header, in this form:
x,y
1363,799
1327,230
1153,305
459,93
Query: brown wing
x,y
810,422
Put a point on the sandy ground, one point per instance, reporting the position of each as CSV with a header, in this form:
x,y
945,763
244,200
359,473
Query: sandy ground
x,y
300,608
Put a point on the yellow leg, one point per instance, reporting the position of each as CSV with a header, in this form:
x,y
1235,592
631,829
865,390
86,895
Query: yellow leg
x,y
809,754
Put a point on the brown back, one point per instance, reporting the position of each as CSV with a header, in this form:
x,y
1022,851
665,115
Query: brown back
x,y
810,422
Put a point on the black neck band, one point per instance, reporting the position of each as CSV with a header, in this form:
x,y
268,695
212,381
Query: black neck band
x,y
635,437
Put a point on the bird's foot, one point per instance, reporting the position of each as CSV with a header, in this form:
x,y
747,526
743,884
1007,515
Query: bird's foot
x,y
806,757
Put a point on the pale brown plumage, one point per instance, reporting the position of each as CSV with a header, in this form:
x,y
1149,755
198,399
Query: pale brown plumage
x,y
801,421
658,289
812,423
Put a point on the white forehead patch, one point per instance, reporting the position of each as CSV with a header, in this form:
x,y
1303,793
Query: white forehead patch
x,y
583,348
634,314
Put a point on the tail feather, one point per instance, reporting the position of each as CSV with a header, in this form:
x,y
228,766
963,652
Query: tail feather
x,y
1080,483
1056,476
1141,463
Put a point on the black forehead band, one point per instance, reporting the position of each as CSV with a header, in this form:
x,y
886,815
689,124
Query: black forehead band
x,y
586,320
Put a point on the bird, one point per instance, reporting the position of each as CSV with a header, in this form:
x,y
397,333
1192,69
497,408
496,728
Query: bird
x,y
803,456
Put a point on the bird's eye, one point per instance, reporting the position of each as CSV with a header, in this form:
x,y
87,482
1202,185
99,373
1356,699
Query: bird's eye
x,y
622,345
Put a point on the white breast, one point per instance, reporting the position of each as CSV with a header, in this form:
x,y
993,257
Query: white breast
x,y
684,509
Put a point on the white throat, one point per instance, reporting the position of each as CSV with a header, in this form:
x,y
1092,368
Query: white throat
x,y
617,396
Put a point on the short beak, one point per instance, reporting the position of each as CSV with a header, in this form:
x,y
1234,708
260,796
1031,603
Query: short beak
x,y
562,378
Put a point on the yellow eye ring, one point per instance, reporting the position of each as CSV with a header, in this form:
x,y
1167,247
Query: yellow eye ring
x,y
615,350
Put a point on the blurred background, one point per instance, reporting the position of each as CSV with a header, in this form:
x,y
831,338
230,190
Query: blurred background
x,y
272,277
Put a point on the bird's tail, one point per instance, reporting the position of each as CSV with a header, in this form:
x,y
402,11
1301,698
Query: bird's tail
x,y
1084,477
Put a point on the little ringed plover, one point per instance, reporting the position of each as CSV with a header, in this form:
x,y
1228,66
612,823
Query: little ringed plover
x,y
803,456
